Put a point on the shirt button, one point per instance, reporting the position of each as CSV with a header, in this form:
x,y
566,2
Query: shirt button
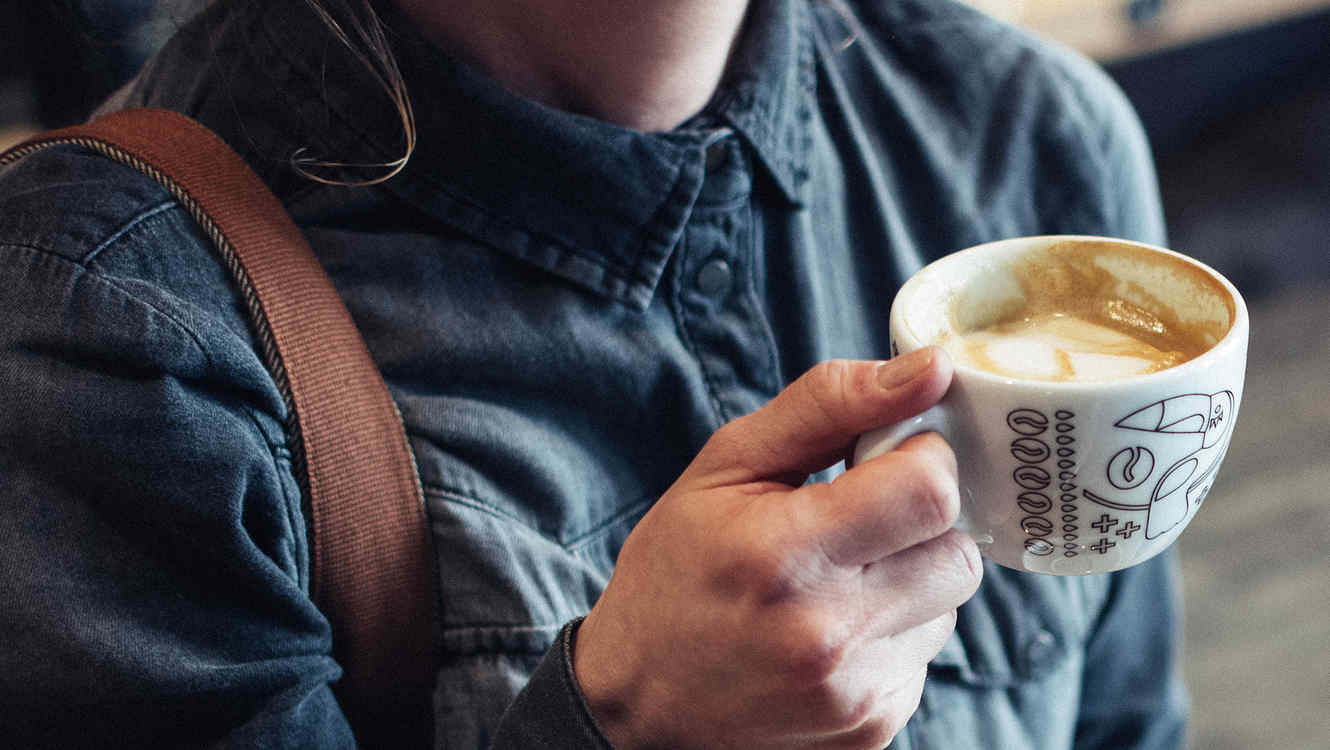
x,y
1040,649
715,277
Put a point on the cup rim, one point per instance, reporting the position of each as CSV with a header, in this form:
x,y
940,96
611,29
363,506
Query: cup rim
x,y
1235,336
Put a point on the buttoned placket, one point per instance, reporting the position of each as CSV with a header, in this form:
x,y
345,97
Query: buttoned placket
x,y
717,306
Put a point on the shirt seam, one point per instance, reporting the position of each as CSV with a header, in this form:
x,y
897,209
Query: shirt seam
x,y
681,323
125,229
573,544
623,273
294,506
760,325
79,269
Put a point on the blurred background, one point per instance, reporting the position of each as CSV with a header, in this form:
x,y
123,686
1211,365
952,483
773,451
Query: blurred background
x,y
1235,96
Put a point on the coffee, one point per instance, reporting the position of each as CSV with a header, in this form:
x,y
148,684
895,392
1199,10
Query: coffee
x,y
1076,320
1070,459
1060,347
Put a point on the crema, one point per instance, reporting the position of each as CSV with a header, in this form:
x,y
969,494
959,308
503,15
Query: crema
x,y
1075,321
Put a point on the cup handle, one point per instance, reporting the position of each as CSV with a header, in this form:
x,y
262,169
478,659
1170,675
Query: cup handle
x,y
876,442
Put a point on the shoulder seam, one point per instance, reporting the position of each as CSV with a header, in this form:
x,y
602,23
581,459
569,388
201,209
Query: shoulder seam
x,y
128,227
81,268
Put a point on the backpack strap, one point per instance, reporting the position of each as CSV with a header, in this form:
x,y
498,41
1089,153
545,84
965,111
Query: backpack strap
x,y
373,568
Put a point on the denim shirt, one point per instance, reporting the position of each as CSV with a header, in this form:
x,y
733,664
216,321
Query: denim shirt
x,y
564,312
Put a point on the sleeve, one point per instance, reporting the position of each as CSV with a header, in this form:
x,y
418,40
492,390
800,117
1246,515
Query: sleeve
x,y
151,539
557,717
1132,206
1132,695
1138,210
1102,180
153,560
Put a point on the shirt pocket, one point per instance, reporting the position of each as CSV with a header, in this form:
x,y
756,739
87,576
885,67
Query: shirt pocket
x,y
1009,675
506,590
473,691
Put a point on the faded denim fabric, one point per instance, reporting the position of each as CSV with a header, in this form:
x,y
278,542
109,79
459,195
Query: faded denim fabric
x,y
564,311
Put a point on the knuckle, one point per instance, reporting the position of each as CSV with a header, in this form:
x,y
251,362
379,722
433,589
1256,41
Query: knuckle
x,y
936,493
729,436
832,375
814,650
759,573
934,635
945,457
875,729
877,733
944,500
846,712
964,556
901,705
960,555
830,387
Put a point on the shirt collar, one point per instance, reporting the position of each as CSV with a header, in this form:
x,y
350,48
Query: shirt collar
x,y
768,92
600,205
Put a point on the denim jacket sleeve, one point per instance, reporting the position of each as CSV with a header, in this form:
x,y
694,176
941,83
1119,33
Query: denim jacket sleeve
x,y
152,541
153,545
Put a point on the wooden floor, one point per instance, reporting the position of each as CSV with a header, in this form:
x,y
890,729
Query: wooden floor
x,y
1256,559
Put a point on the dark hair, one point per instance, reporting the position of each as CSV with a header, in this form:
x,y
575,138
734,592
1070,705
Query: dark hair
x,y
355,24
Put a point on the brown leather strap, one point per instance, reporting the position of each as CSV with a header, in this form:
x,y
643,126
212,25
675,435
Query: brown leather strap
x,y
373,570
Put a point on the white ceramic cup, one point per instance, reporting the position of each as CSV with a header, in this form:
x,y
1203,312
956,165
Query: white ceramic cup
x,y
1076,477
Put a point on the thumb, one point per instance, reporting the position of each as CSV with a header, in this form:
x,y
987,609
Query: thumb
x,y
813,422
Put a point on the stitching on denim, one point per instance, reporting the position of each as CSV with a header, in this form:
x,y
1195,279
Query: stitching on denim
x,y
501,629
452,496
761,323
573,544
280,454
585,539
273,447
93,275
128,227
681,323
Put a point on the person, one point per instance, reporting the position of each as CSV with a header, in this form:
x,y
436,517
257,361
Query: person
x,y
626,269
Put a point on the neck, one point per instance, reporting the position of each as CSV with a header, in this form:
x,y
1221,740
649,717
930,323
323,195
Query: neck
x,y
647,64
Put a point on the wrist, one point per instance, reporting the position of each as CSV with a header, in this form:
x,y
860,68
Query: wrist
x,y
609,693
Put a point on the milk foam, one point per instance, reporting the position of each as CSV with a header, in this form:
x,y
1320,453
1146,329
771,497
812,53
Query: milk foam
x,y
1059,346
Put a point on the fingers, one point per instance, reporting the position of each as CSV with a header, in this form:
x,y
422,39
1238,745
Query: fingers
x,y
811,424
889,521
883,506
888,718
872,693
916,585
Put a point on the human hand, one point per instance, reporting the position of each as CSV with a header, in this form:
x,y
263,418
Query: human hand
x,y
749,611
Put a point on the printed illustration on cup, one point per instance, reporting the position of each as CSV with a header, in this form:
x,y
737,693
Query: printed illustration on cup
x,y
1046,477
1186,446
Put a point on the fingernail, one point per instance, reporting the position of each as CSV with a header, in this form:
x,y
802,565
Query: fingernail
x,y
902,369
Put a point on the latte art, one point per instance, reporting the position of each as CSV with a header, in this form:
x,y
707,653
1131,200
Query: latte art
x,y
1059,346
1075,319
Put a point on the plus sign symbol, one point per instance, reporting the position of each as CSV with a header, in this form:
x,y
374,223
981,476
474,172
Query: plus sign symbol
x,y
1103,546
1127,530
1105,523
